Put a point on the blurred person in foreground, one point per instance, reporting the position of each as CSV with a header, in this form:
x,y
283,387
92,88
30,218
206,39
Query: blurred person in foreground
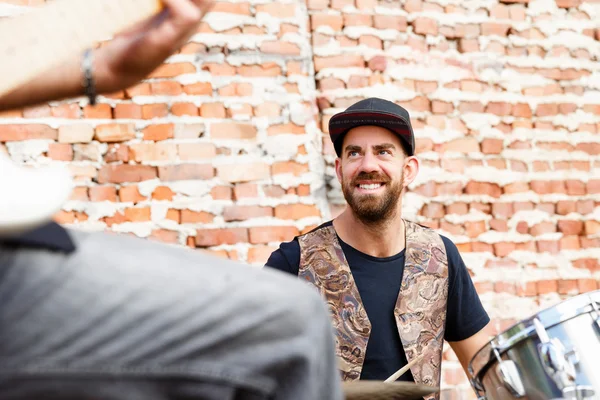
x,y
110,317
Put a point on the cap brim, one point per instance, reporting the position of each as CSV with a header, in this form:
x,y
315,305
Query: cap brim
x,y
341,123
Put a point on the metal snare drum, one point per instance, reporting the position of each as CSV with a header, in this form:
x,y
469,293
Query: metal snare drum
x,y
555,354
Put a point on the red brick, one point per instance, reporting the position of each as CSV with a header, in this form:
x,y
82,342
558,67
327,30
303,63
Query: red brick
x,y
69,111
99,111
182,109
546,110
527,289
565,207
117,218
591,227
434,210
396,22
542,228
243,172
568,3
522,110
20,132
570,227
140,214
569,243
65,217
230,130
377,63
587,285
125,173
272,234
289,167
216,237
196,217
593,186
164,236
242,213
492,146
199,88
547,246
103,193
149,151
60,151
269,69
503,249
141,89
186,172
344,61
475,228
172,70
114,132
163,193
494,28
127,111
425,26
260,254
547,286
491,189
150,111
335,22
499,108
165,88
158,132
296,211
117,153
461,145
499,225
40,111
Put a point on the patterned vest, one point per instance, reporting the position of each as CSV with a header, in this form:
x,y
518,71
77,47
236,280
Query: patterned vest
x,y
420,311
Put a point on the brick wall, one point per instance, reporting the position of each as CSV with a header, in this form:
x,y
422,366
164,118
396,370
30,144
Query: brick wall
x,y
224,148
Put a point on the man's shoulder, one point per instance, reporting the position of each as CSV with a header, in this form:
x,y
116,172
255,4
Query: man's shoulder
x,y
315,229
287,256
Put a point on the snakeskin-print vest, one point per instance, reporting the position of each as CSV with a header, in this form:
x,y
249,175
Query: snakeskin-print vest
x,y
420,310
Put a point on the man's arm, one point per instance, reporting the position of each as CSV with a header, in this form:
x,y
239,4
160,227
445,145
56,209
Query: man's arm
x,y
466,349
128,58
466,317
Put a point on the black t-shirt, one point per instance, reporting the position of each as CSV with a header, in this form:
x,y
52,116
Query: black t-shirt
x,y
378,281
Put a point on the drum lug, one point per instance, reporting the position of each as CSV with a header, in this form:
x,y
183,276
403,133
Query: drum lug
x,y
579,393
555,359
509,373
507,370
597,312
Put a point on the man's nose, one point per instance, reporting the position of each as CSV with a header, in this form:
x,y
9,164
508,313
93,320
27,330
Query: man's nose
x,y
369,163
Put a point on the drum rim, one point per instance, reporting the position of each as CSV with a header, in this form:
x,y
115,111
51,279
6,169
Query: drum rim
x,y
524,329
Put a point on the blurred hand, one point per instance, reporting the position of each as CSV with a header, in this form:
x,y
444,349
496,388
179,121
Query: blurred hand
x,y
132,55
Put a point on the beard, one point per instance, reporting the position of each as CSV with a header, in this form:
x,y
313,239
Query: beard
x,y
373,208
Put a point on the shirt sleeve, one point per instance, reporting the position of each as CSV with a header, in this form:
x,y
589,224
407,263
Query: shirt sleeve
x,y
465,315
286,258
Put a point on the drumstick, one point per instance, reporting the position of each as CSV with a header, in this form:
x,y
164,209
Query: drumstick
x,y
402,370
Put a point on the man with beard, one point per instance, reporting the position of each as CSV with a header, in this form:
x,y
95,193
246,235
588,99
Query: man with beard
x,y
396,290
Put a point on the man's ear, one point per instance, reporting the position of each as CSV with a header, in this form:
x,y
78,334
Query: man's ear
x,y
411,169
338,169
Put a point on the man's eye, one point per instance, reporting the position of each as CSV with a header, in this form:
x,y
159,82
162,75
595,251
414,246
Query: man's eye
x,y
384,152
353,153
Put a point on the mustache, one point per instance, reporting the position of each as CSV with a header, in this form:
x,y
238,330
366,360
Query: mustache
x,y
370,176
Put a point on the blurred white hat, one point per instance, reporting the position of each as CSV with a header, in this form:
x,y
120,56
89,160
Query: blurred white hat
x,y
29,197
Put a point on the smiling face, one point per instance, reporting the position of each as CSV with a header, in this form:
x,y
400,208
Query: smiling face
x,y
373,170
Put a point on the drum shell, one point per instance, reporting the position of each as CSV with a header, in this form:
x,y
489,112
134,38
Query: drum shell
x,y
576,326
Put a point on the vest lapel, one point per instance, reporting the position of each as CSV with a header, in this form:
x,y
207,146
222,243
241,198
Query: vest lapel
x,y
421,306
323,263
